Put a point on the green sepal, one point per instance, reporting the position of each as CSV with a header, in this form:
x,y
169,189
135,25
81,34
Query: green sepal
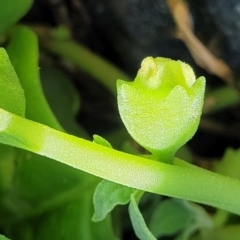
x,y
161,108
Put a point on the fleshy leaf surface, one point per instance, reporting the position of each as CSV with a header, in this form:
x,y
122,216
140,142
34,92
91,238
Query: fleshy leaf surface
x,y
24,54
12,11
3,238
12,96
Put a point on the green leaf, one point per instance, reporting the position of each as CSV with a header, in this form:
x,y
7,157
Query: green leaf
x,y
168,218
71,220
175,215
199,214
51,184
3,238
108,195
39,182
12,96
161,109
101,141
7,167
11,11
138,223
230,164
65,102
231,231
199,220
24,55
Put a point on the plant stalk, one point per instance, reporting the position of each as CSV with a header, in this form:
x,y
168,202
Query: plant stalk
x,y
180,181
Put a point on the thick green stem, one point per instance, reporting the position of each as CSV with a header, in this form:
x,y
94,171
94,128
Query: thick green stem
x,y
190,183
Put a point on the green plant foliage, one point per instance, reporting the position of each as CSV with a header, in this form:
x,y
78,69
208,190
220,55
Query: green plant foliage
x,y
138,223
54,185
3,238
101,141
179,180
161,109
103,71
12,11
168,218
174,216
7,167
108,195
74,222
11,94
230,164
27,185
23,53
228,232
65,95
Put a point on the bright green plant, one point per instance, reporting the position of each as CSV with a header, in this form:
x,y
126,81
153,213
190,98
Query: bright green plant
x,y
162,107
55,185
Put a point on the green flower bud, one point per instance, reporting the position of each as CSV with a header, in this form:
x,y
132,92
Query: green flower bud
x,y
161,108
